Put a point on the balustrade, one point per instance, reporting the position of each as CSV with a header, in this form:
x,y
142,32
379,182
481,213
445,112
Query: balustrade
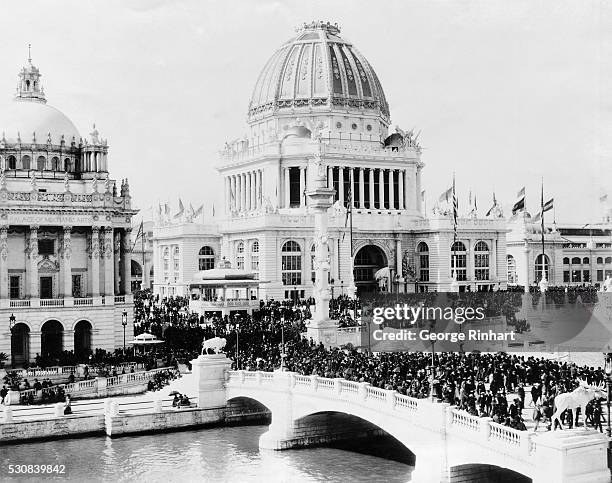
x,y
483,429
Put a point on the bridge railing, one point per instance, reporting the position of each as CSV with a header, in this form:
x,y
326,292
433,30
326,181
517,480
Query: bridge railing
x,y
481,429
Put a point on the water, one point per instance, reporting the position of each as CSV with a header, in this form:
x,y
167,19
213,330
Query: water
x,y
224,454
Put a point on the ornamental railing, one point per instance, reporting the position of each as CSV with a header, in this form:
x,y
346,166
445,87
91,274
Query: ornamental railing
x,y
478,429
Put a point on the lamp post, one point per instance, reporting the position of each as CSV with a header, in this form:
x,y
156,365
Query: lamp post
x,y
295,295
12,329
237,326
124,317
282,321
332,294
608,371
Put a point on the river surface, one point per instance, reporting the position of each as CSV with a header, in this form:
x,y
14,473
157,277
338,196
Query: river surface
x,y
221,454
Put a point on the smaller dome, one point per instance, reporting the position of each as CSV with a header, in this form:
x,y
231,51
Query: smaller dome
x,y
394,140
298,132
23,118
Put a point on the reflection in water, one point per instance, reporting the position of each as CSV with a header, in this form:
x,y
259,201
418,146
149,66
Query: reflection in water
x,y
217,454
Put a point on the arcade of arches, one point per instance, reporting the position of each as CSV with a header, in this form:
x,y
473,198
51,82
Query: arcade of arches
x,y
51,340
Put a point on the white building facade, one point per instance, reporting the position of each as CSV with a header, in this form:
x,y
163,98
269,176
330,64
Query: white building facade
x,y
64,233
572,254
319,97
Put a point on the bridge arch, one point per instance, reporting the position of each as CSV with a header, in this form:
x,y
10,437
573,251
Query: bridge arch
x,y
482,472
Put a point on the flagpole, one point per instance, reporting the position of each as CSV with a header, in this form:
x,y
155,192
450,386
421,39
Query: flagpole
x,y
142,238
543,277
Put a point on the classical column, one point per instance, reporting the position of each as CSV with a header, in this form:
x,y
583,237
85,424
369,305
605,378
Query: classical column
x,y
352,185
493,260
255,203
341,185
67,262
361,189
302,186
411,198
398,261
33,257
391,189
248,192
330,177
400,184
4,280
417,193
228,207
233,188
371,187
116,259
286,187
95,261
109,265
260,188
126,256
381,189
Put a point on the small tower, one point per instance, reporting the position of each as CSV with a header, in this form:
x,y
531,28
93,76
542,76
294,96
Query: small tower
x,y
29,87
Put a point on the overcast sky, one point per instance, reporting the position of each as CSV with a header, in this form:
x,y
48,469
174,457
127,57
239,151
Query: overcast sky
x,y
504,92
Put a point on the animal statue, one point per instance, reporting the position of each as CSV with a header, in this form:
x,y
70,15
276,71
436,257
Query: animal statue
x,y
578,398
216,344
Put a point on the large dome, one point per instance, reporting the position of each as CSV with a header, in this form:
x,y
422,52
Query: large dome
x,y
317,71
26,118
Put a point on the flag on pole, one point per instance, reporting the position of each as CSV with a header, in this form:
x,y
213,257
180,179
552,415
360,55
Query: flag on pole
x,y
213,210
181,209
520,201
549,205
493,206
446,196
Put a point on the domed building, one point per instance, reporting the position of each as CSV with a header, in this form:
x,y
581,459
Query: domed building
x,y
64,233
319,96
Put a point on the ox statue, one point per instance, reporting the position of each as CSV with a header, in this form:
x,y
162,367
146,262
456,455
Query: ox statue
x,y
578,398
216,344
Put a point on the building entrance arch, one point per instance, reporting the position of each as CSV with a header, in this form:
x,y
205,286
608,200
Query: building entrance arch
x,y
368,260
20,344
82,339
51,339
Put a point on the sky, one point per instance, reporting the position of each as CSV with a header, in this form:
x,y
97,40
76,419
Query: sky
x,y
506,93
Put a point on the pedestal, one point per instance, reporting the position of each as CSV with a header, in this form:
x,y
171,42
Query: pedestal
x,y
325,331
209,379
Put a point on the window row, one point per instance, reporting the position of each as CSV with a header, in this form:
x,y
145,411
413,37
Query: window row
x,y
586,261
40,164
458,261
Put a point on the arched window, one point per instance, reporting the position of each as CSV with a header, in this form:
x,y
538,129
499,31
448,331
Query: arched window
x,y
585,261
481,261
41,163
576,261
608,260
206,258
12,162
459,261
512,278
240,256
291,263
565,260
55,163
423,262
600,260
255,258
25,162
541,262
67,165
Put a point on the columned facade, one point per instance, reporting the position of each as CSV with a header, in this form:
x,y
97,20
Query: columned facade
x,y
57,265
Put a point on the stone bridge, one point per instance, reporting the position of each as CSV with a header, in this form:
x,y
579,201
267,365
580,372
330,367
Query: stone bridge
x,y
443,443
447,444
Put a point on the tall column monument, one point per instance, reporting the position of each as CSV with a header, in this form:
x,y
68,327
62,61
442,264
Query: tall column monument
x,y
320,198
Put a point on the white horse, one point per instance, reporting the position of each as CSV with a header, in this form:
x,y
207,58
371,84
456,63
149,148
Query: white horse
x,y
578,398
216,344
